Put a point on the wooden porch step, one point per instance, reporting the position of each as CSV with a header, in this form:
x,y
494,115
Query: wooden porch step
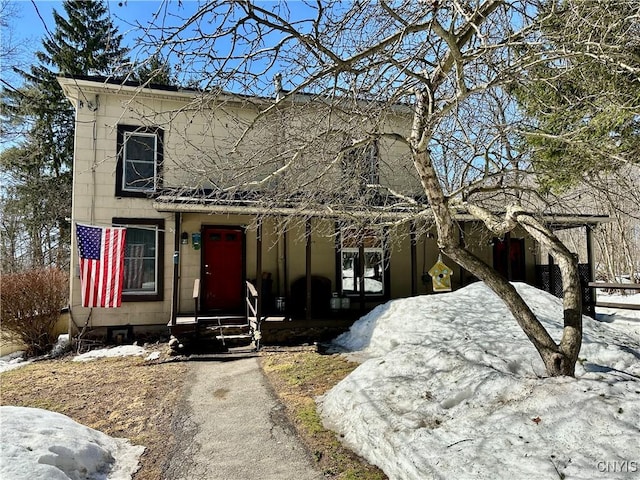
x,y
218,327
209,319
220,318
234,337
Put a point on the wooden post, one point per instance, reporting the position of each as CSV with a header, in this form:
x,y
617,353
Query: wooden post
x,y
507,239
361,274
552,278
285,249
308,269
414,259
592,271
461,240
176,267
259,268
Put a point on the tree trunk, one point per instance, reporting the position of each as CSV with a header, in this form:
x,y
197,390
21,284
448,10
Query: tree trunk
x,y
571,340
558,360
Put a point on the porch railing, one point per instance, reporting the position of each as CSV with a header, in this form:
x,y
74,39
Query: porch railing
x,y
616,286
196,297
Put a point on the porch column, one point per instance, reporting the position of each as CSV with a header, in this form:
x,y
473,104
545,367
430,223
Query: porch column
x,y
259,268
552,277
414,259
591,309
461,240
285,251
507,239
361,262
308,269
592,267
176,266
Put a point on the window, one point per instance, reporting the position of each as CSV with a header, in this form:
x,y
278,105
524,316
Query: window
x,y
139,160
370,244
360,165
143,259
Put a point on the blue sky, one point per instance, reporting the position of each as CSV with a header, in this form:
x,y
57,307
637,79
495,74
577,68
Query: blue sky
x,y
34,15
33,18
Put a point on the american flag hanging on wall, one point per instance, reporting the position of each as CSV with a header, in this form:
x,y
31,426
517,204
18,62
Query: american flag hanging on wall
x,y
101,252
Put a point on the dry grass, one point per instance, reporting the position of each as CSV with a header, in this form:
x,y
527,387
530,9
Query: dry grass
x,y
131,398
298,375
125,397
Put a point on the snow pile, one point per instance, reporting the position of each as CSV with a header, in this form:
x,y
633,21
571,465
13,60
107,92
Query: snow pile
x,y
451,388
152,356
12,361
42,445
62,346
620,318
121,351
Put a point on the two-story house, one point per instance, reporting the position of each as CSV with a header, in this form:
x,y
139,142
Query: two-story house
x,y
166,163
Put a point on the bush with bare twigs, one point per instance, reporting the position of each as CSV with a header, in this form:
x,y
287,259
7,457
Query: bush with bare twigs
x,y
30,304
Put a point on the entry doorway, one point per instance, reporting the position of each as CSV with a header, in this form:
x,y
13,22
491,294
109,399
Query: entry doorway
x,y
508,258
222,269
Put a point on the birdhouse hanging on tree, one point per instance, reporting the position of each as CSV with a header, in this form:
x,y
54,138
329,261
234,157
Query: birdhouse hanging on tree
x,y
441,276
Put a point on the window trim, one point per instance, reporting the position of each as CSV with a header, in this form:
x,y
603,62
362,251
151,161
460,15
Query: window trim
x,y
124,132
158,295
363,163
386,271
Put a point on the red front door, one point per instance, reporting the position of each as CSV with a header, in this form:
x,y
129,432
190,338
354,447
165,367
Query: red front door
x,y
508,258
222,268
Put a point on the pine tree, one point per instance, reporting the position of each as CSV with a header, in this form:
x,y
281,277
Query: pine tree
x,y
84,42
155,70
585,109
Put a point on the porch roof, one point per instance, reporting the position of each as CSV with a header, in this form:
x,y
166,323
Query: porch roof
x,y
248,206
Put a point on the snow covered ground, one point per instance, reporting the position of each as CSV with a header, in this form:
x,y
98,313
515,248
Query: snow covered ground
x,y
12,361
42,445
628,320
37,444
450,387
16,360
119,351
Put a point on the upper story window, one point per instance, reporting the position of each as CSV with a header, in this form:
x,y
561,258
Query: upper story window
x,y
139,160
360,164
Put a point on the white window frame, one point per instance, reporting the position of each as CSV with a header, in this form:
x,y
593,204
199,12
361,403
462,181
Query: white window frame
x,y
364,162
126,161
355,251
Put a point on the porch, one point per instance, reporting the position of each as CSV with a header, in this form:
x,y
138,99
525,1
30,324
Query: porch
x,y
309,265
252,328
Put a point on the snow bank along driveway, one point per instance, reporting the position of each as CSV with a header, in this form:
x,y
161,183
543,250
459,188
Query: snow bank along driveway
x,y
451,388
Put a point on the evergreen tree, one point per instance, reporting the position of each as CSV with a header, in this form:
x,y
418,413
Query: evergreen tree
x,y
84,42
155,71
584,108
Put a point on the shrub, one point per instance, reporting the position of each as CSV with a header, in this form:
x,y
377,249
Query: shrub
x,y
30,305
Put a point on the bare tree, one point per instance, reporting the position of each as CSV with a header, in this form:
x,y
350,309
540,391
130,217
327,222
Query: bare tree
x,y
619,241
424,84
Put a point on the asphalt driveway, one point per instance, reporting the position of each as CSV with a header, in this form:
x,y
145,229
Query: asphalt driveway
x,y
232,427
